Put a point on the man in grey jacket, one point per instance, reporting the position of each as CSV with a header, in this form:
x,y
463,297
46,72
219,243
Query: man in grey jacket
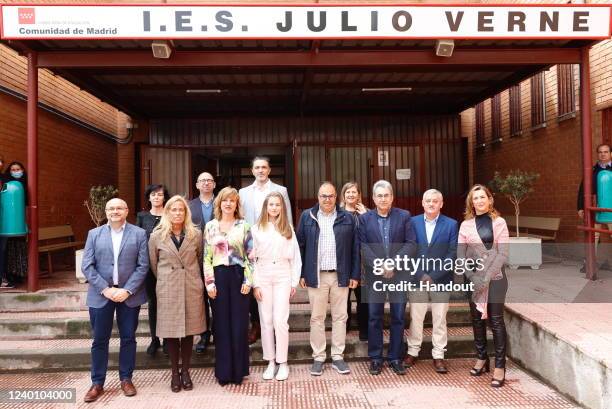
x,y
115,262
252,198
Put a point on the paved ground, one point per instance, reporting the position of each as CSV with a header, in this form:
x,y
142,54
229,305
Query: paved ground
x,y
420,388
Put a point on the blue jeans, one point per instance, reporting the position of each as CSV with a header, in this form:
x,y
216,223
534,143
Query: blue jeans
x,y
375,330
102,325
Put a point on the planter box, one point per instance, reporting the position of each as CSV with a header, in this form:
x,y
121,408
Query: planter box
x,y
78,259
525,251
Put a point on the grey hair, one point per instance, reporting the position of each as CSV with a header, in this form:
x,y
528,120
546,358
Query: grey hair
x,y
433,192
382,184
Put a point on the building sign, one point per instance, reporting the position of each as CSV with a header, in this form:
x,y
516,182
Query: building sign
x,y
383,157
489,21
402,174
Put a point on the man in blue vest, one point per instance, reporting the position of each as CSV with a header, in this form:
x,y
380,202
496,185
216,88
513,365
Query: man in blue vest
x,y
436,237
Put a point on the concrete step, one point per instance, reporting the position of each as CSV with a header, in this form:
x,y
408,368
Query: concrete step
x,y
75,324
74,354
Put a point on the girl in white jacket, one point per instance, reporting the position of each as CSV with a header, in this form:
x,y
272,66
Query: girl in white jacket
x,y
276,275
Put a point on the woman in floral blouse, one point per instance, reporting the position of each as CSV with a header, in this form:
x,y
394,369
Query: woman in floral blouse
x,y
228,275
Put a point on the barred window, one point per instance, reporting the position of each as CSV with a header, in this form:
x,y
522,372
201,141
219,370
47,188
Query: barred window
x,y
566,95
516,125
496,127
538,101
606,119
480,125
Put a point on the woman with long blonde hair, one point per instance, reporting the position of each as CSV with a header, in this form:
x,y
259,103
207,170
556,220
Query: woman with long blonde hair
x,y
483,236
175,251
228,275
277,270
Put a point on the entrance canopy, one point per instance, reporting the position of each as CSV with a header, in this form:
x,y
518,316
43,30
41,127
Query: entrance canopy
x,y
300,59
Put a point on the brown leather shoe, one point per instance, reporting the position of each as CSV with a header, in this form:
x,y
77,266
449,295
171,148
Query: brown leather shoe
x,y
128,388
440,366
410,361
254,333
94,392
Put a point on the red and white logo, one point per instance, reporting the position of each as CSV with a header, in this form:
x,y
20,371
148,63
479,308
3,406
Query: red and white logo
x,y
26,15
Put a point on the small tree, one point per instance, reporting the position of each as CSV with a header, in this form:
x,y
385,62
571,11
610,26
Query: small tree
x,y
96,204
515,186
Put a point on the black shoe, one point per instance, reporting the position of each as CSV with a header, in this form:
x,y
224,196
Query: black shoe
x,y
398,367
165,348
479,371
153,347
203,343
375,367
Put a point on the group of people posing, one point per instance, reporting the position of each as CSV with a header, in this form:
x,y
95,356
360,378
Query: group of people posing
x,y
237,250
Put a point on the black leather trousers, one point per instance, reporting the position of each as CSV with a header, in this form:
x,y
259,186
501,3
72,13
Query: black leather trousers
x,y
495,311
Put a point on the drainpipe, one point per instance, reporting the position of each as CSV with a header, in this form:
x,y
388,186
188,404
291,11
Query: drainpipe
x,y
32,127
587,161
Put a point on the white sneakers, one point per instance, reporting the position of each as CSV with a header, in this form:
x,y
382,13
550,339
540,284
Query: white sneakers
x,y
270,371
283,372
281,375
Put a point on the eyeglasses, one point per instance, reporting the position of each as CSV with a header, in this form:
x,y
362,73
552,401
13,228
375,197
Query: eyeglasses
x,y
206,181
327,197
114,209
385,196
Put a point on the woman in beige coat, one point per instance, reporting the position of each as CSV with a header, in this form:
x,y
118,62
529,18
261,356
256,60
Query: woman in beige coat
x,y
175,250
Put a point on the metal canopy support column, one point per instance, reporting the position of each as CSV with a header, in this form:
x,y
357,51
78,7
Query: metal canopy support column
x,y
32,127
587,160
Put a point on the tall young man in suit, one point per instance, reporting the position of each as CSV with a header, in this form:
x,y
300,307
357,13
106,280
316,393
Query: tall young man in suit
x,y
252,198
436,237
115,262
201,213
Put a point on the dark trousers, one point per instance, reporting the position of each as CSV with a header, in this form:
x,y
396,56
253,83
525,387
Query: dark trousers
x,y
102,325
375,330
231,326
495,312
207,314
362,311
3,258
253,309
150,284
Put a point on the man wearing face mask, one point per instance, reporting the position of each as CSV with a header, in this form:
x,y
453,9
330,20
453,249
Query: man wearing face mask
x,y
16,247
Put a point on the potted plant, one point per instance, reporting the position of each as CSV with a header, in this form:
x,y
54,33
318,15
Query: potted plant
x,y
96,206
516,187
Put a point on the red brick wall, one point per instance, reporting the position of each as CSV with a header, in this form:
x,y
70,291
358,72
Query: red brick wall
x,y
71,160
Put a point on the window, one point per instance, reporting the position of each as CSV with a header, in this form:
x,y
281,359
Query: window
x,y
480,125
496,127
538,101
606,131
566,95
516,125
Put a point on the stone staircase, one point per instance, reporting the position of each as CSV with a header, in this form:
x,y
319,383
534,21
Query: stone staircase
x,y
51,332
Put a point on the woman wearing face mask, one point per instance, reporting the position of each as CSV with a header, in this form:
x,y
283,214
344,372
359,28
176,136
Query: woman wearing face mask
x,y
275,278
3,239
483,236
16,247
350,200
156,197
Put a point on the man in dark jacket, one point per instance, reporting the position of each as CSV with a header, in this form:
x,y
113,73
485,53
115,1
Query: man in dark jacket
x,y
386,234
329,246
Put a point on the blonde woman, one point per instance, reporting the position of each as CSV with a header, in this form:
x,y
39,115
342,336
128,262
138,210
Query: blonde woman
x,y
276,275
175,251
228,276
483,236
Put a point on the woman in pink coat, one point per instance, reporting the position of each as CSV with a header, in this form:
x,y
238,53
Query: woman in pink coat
x,y
483,237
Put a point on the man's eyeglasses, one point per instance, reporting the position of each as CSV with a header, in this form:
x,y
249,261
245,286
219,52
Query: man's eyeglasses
x,y
327,197
114,209
385,196
206,181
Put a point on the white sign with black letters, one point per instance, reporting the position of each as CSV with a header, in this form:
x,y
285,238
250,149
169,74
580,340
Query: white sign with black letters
x,y
311,21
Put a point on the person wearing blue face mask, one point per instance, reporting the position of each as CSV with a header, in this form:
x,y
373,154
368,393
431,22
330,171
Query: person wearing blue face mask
x,y
3,239
16,247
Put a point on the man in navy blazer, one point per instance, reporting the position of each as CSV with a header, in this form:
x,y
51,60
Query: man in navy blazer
x,y
385,233
115,262
436,237
202,211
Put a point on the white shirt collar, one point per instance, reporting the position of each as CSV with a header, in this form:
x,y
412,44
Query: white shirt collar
x,y
434,221
266,186
121,229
